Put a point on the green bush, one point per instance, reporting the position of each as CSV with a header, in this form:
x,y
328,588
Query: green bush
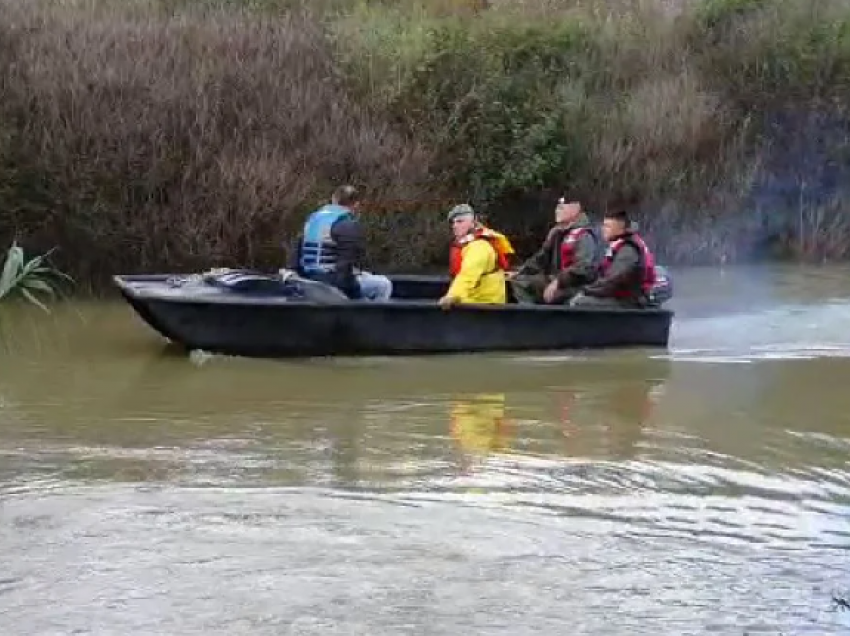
x,y
764,52
30,279
514,104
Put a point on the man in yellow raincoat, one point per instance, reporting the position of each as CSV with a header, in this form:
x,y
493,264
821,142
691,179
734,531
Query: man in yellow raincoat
x,y
478,261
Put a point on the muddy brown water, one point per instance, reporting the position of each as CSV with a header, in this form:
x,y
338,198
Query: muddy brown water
x,y
705,489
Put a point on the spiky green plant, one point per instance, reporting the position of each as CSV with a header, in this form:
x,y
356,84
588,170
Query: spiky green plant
x,y
29,279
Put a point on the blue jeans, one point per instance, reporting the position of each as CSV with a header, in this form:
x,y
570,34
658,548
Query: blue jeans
x,y
374,286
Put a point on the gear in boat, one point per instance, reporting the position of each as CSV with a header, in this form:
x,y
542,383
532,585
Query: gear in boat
x,y
283,284
288,284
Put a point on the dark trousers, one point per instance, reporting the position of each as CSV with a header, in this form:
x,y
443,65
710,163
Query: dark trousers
x,y
346,284
528,290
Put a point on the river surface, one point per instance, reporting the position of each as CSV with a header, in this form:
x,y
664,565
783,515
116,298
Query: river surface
x,y
704,489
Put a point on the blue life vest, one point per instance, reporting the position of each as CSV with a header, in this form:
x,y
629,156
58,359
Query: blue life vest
x,y
318,249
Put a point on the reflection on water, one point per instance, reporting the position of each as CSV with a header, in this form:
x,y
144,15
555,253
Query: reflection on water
x,y
703,490
480,427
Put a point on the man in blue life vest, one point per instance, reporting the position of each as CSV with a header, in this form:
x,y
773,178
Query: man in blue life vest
x,y
331,249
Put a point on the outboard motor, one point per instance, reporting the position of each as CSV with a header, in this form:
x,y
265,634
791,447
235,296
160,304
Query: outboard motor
x,y
662,290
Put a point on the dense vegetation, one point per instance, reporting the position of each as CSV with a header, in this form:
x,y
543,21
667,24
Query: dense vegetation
x,y
185,134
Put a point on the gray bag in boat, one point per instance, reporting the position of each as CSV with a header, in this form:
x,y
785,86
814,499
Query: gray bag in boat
x,y
285,284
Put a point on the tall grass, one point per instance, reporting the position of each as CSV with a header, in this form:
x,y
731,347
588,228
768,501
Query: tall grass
x,y
142,140
186,134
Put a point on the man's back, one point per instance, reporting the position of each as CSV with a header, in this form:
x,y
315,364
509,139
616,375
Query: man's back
x,y
347,233
330,248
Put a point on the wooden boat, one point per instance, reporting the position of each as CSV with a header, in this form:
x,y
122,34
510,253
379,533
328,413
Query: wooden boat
x,y
258,315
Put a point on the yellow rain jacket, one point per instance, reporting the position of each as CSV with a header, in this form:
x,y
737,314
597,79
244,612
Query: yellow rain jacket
x,y
480,279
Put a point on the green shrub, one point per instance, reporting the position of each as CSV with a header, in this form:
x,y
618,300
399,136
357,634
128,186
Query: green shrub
x,y
31,279
516,104
778,51
714,14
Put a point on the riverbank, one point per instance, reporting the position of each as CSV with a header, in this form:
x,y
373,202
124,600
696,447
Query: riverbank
x,y
178,135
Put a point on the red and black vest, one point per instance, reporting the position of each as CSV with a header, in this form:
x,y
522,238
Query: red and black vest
x,y
567,249
646,279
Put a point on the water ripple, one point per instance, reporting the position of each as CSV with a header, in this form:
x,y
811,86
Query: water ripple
x,y
702,491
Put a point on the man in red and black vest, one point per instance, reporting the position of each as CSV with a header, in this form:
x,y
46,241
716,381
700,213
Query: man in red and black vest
x,y
627,274
569,259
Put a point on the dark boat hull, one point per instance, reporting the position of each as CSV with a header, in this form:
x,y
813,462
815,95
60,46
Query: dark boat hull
x,y
243,325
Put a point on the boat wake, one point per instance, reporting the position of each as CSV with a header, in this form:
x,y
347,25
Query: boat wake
x,y
758,353
790,332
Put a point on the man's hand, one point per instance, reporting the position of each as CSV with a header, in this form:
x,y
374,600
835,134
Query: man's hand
x,y
551,292
446,302
511,275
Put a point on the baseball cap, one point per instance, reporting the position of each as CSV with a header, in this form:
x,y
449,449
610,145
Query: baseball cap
x,y
463,209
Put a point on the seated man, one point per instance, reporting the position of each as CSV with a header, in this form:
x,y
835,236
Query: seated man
x,y
569,258
331,249
628,270
478,261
